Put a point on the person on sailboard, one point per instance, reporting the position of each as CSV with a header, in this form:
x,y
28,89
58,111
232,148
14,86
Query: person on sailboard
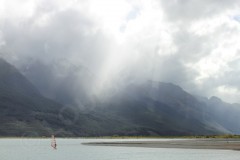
x,y
53,143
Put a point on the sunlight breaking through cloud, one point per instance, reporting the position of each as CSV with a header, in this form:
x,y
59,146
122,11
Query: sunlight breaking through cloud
x,y
190,43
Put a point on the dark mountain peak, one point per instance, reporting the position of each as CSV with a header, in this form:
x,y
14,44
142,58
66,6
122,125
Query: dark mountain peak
x,y
23,110
13,81
62,81
159,91
5,67
169,90
168,85
215,99
164,88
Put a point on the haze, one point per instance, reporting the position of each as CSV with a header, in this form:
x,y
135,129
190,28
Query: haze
x,y
191,43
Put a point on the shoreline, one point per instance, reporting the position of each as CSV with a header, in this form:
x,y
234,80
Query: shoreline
x,y
131,137
222,144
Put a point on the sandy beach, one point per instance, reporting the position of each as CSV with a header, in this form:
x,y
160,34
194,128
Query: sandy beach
x,y
225,144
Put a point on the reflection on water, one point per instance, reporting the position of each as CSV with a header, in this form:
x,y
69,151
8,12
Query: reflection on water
x,y
72,149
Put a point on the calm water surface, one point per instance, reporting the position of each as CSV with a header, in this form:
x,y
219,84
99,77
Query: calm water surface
x,y
72,149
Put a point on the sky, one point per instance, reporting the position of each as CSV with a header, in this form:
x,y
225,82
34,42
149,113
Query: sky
x,y
191,43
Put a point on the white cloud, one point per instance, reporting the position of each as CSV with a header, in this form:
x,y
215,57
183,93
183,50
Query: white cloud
x,y
110,15
231,94
192,43
17,10
2,42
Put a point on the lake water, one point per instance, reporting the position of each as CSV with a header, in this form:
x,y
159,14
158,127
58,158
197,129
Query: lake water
x,y
72,149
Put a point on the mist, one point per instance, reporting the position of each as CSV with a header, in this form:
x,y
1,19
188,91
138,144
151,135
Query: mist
x,y
77,51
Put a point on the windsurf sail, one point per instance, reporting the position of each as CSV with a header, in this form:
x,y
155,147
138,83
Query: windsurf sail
x,y
53,142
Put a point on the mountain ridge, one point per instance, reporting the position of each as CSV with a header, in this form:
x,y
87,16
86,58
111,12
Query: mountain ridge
x,y
146,109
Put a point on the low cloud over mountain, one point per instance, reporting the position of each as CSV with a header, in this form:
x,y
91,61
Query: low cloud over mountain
x,y
147,108
190,43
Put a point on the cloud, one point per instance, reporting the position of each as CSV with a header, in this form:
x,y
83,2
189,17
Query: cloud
x,y
191,43
2,42
62,34
193,10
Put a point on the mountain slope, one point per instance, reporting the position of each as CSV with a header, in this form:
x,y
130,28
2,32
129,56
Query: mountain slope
x,y
156,108
150,108
23,111
61,81
224,113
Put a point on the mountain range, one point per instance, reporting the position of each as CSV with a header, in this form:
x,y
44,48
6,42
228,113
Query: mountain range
x,y
137,109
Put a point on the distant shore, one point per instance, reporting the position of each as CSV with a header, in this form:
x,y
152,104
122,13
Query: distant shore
x,y
226,136
224,144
